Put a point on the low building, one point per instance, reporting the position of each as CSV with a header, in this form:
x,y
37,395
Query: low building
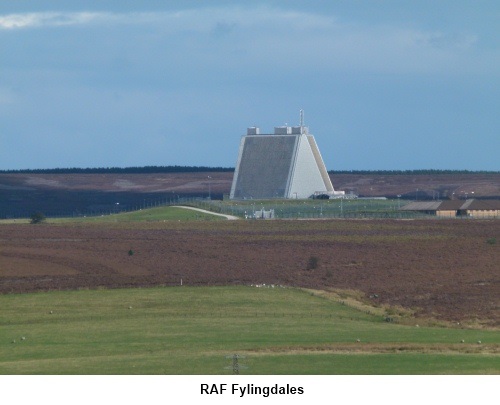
x,y
457,208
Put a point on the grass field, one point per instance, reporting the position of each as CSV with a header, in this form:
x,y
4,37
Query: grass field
x,y
188,330
313,208
283,209
151,214
158,214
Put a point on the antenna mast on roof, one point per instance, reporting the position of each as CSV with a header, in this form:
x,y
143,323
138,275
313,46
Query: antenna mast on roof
x,y
301,118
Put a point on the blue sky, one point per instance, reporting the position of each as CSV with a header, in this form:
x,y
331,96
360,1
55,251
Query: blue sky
x,y
384,84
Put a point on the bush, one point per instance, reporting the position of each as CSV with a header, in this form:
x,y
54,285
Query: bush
x,y
491,241
312,263
37,218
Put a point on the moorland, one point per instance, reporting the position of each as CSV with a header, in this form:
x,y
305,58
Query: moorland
x,y
445,269
172,291
70,193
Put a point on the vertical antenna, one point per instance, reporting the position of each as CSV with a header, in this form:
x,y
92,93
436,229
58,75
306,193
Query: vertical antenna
x,y
301,118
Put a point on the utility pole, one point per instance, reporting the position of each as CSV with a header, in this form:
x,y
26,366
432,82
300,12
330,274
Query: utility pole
x,y
209,188
236,367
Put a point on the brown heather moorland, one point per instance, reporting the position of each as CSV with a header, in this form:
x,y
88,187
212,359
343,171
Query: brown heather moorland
x,y
21,194
444,269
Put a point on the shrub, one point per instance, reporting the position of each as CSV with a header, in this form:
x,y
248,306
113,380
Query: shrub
x,y
37,218
312,263
491,241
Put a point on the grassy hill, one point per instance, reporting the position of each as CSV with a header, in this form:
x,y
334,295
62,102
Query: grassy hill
x,y
187,330
158,214
150,214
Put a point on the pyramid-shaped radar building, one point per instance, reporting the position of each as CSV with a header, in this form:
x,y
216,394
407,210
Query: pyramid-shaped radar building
x,y
286,164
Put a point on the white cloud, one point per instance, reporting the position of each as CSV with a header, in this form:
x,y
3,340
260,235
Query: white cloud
x,y
268,37
30,20
202,19
58,19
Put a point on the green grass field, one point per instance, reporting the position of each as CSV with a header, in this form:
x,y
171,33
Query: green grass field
x,y
310,208
193,330
158,214
283,209
150,214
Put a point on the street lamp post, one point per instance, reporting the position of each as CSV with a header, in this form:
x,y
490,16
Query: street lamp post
x,y
209,188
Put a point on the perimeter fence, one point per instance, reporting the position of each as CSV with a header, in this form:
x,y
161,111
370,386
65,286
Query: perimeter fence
x,y
256,209
314,209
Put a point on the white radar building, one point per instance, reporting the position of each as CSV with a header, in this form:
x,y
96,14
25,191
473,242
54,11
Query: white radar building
x,y
286,164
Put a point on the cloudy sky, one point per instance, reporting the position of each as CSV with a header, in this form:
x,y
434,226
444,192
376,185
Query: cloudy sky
x,y
384,84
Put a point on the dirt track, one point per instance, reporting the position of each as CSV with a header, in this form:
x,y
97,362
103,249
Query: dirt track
x,y
446,269
230,217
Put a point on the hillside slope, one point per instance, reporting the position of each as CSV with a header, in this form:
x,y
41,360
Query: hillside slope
x,y
64,194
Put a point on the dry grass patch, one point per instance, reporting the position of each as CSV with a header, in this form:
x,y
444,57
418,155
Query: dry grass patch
x,y
372,348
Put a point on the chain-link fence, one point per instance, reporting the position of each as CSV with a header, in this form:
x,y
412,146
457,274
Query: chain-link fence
x,y
253,209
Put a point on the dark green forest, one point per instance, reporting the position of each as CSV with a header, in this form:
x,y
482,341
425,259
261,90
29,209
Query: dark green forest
x,y
103,170
418,171
193,169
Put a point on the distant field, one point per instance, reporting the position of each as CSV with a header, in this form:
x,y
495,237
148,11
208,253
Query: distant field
x,y
151,214
147,215
313,208
442,269
196,330
65,194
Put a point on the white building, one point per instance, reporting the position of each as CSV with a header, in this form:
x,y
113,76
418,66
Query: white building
x,y
286,164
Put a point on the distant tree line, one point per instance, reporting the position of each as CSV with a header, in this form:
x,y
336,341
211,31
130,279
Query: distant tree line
x,y
103,170
193,169
419,171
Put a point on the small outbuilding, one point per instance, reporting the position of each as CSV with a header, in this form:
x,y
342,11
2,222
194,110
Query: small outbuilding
x,y
457,208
